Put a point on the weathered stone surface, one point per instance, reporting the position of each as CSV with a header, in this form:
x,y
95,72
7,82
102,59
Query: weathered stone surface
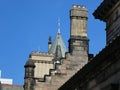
x,y
76,58
103,71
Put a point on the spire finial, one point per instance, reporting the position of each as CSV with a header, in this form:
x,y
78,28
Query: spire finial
x,y
58,25
38,49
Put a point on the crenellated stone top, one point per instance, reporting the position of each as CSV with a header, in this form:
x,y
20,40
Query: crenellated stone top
x,y
78,11
78,7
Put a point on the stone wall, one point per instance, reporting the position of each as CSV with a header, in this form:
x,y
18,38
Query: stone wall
x,y
43,63
101,73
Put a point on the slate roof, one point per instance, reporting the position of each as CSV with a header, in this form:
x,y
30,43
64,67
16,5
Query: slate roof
x,y
58,41
29,63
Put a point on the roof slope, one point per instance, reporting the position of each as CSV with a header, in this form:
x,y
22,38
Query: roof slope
x,y
58,41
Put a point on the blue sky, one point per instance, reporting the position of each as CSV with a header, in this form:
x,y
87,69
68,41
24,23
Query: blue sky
x,y
25,26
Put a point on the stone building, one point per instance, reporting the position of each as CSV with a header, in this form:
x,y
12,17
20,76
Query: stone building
x,y
76,69
49,71
11,87
5,80
103,71
7,84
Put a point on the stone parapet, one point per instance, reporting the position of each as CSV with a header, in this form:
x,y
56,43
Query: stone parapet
x,y
78,12
41,54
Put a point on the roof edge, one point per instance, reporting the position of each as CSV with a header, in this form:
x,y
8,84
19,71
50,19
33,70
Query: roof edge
x,y
104,8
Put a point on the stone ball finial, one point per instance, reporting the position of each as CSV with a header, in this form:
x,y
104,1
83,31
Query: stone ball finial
x,y
79,6
74,6
83,7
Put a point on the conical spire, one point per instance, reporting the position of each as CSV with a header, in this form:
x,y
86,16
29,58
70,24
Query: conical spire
x,y
58,25
49,43
50,40
29,63
58,42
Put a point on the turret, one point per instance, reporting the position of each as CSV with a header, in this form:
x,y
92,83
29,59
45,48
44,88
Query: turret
x,y
78,21
78,29
49,43
29,75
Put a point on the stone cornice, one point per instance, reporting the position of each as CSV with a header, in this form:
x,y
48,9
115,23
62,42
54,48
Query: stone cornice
x,y
43,61
79,38
104,8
